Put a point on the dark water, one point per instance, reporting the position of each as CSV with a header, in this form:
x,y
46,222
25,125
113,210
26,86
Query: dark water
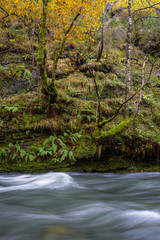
x,y
61,206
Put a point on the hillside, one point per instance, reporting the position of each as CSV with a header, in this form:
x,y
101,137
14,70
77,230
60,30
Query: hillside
x,y
31,140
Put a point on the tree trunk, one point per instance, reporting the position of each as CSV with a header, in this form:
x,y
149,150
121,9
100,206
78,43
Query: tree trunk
x,y
101,43
103,30
128,72
32,48
42,52
52,90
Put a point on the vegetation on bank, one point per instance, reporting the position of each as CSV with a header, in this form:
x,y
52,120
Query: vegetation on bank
x,y
88,129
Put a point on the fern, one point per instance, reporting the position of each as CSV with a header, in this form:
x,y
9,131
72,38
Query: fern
x,y
42,152
22,153
12,109
71,156
54,147
65,154
31,157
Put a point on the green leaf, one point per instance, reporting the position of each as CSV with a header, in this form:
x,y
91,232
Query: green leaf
x,y
49,152
52,138
19,74
31,158
22,153
71,155
17,147
64,154
10,145
15,109
89,118
14,156
62,150
65,134
43,152
62,137
40,149
27,75
54,147
26,158
62,143
73,139
78,135
4,151
46,141
55,160
7,150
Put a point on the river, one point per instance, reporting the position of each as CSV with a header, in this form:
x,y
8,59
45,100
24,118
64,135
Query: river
x,y
62,206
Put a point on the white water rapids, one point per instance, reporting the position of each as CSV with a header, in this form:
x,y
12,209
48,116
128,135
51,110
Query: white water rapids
x,y
62,206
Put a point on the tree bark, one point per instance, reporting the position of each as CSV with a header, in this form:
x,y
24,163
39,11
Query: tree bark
x,y
128,71
32,48
42,52
101,43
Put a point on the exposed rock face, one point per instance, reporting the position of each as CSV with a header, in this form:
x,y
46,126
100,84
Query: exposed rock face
x,y
16,73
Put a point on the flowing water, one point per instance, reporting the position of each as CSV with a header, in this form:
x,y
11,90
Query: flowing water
x,y
62,206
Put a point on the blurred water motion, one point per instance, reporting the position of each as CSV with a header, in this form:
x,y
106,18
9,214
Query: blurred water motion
x,y
61,206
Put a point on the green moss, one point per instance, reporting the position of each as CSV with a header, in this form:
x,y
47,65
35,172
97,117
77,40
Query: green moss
x,y
40,57
119,128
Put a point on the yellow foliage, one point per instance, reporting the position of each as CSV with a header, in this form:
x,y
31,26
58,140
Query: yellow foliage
x,y
59,15
141,6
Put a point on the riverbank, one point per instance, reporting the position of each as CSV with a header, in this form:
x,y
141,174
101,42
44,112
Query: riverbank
x,y
31,141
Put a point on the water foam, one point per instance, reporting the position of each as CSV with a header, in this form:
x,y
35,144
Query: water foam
x,y
47,181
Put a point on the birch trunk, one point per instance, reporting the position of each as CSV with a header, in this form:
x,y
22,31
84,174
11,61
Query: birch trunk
x,y
128,71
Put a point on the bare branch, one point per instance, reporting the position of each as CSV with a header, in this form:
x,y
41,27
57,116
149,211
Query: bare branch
x,y
118,110
141,9
98,117
141,92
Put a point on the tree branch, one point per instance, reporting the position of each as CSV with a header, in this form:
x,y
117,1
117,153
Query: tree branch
x,y
22,20
118,110
98,117
144,8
